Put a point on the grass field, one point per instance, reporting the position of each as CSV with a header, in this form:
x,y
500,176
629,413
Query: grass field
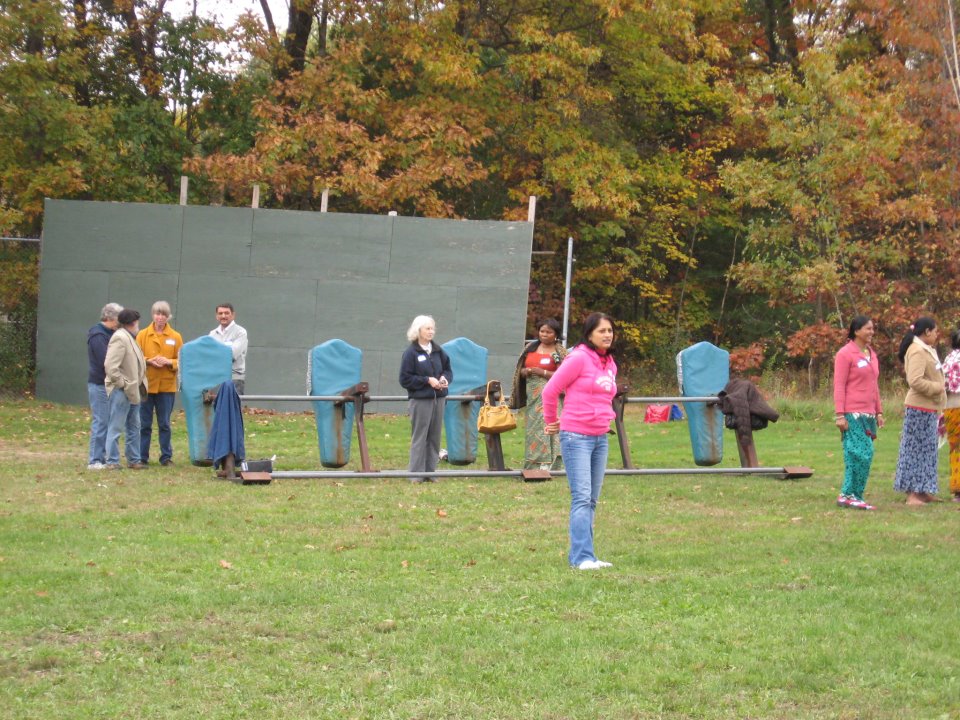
x,y
169,594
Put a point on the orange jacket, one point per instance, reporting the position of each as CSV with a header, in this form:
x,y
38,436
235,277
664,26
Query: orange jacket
x,y
167,344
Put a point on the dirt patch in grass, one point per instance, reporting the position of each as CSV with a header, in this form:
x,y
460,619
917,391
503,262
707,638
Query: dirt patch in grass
x,y
12,450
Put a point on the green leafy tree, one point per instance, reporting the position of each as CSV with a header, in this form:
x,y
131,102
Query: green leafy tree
x,y
826,196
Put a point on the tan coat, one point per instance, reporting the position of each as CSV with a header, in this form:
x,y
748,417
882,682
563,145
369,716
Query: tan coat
x,y
125,367
927,386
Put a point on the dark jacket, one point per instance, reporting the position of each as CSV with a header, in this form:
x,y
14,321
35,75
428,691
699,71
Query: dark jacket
x,y
98,337
742,399
417,365
226,430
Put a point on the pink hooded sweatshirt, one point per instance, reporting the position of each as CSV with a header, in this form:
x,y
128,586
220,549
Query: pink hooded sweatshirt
x,y
855,381
590,383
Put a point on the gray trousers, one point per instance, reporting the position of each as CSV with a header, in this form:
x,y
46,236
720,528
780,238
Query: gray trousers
x,y
426,420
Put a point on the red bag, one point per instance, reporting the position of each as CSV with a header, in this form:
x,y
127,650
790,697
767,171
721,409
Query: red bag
x,y
656,414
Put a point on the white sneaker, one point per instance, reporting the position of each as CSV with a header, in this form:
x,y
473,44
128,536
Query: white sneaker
x,y
601,563
95,466
589,565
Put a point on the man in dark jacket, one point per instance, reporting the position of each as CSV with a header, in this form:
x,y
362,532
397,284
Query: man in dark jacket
x,y
97,339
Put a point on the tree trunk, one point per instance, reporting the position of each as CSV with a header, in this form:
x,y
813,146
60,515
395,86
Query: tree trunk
x,y
299,24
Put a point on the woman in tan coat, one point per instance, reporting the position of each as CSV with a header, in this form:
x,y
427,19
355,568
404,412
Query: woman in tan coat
x,y
917,462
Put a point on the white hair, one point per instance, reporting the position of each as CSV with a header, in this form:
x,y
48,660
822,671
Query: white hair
x,y
162,307
110,311
413,332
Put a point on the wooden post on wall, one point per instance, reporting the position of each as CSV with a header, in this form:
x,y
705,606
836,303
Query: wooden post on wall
x,y
184,184
532,209
323,199
255,203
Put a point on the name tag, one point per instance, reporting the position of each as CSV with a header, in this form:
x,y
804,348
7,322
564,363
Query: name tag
x,y
421,358
863,363
545,360
171,341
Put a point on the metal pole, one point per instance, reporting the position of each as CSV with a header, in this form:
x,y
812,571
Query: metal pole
x,y
342,474
566,292
461,398
340,398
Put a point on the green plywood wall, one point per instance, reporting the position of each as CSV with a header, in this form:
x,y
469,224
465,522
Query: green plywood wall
x,y
296,279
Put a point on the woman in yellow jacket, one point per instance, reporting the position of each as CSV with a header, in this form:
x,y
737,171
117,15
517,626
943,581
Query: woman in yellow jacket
x,y
161,345
917,462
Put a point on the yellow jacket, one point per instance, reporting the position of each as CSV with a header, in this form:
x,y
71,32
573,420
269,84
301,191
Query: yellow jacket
x,y
166,344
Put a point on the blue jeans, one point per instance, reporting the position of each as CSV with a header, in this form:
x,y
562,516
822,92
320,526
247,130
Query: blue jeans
x,y
124,418
585,457
99,415
163,403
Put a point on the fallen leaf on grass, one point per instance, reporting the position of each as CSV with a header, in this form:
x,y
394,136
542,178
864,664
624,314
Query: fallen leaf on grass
x,y
225,565
309,547
404,563
441,513
385,626
470,563
796,519
42,593
91,564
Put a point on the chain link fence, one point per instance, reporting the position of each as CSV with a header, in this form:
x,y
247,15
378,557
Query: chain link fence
x,y
19,292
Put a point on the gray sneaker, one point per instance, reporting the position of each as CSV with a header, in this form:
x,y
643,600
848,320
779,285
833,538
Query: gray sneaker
x,y
96,466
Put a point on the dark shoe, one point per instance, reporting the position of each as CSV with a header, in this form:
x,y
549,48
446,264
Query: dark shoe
x,y
112,466
166,462
137,466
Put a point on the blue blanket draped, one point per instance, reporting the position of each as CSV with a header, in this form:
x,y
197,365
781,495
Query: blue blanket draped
x,y
226,431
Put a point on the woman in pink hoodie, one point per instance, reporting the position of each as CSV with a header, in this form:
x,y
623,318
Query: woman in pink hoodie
x,y
856,400
588,380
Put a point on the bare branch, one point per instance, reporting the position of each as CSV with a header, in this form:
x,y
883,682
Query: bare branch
x,y
268,17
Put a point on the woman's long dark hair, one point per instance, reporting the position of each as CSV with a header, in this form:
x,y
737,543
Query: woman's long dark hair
x,y
918,328
591,323
857,324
